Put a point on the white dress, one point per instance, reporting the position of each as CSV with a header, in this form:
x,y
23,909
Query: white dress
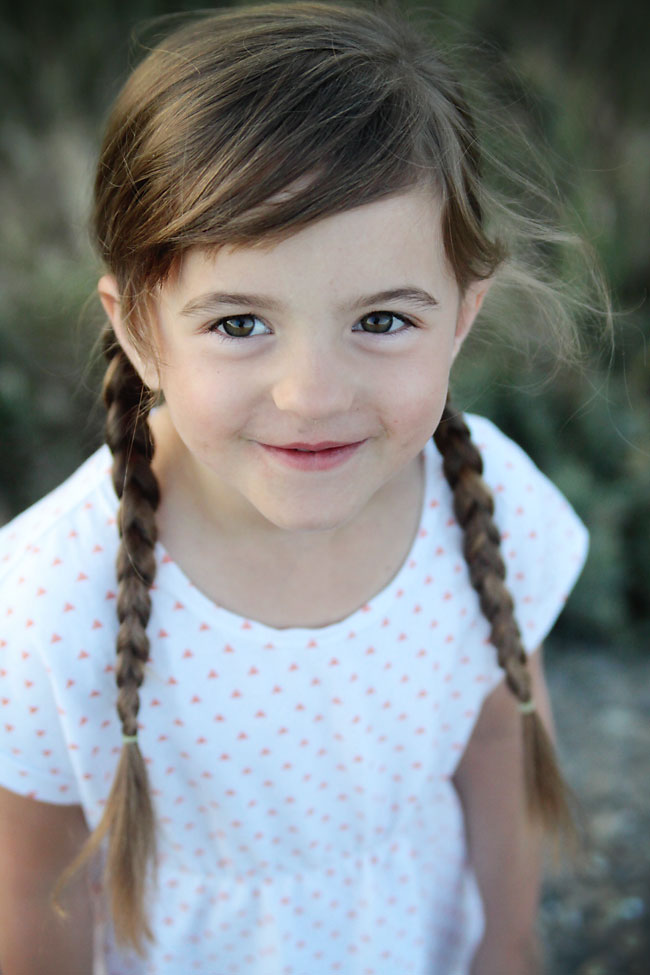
x,y
302,777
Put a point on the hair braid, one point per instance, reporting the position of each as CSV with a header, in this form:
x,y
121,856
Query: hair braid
x,y
131,443
128,818
547,794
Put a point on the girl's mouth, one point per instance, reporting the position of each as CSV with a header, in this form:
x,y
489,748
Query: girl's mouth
x,y
313,457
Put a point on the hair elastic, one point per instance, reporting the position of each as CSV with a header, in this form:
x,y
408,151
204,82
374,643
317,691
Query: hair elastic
x,y
527,707
129,739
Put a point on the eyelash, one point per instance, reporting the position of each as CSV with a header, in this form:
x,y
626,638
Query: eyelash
x,y
223,336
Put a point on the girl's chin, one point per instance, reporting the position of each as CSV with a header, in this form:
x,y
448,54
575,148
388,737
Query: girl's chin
x,y
305,523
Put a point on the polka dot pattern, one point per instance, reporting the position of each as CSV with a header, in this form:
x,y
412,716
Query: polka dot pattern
x,y
302,778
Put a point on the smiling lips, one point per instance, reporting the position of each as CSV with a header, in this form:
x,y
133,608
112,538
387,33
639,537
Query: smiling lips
x,y
325,445
315,456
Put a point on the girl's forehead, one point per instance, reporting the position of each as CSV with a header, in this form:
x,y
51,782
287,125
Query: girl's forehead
x,y
400,234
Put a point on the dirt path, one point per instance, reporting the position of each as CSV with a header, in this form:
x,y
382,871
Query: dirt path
x,y
596,921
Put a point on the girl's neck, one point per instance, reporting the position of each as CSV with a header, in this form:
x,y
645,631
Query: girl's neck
x,y
280,578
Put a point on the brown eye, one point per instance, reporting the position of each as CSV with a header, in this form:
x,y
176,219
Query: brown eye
x,y
382,322
238,326
379,321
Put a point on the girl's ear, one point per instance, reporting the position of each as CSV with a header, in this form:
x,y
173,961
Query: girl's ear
x,y
110,298
470,305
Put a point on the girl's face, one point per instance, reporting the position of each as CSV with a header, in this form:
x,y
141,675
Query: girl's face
x,y
303,378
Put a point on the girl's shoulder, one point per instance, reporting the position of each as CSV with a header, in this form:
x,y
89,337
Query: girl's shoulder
x,y
518,485
543,541
500,454
79,512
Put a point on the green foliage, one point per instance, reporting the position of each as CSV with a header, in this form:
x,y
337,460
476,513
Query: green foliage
x,y
576,82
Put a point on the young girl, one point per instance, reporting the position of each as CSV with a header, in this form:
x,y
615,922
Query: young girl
x,y
304,757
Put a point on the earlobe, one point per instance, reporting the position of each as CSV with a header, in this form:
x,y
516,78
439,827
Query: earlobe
x,y
110,298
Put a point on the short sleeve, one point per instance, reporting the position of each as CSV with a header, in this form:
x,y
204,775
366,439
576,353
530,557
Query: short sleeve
x,y
35,759
56,576
34,756
544,543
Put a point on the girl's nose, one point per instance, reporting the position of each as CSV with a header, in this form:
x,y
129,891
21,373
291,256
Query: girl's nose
x,y
314,383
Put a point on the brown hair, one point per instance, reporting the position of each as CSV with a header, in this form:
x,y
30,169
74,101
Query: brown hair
x,y
219,118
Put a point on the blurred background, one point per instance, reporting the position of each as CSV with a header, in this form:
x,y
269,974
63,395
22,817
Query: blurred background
x,y
577,78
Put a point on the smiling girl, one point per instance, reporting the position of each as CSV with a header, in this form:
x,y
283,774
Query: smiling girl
x,y
323,743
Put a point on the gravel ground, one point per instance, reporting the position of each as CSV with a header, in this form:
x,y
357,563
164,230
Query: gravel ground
x,y
595,916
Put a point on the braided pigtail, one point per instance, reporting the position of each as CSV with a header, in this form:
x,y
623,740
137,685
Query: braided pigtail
x,y
546,792
128,820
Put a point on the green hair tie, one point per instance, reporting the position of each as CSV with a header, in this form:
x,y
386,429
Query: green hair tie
x,y
129,739
527,707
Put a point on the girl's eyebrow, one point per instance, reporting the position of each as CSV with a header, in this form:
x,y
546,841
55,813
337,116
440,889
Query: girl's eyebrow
x,y
208,302
416,296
